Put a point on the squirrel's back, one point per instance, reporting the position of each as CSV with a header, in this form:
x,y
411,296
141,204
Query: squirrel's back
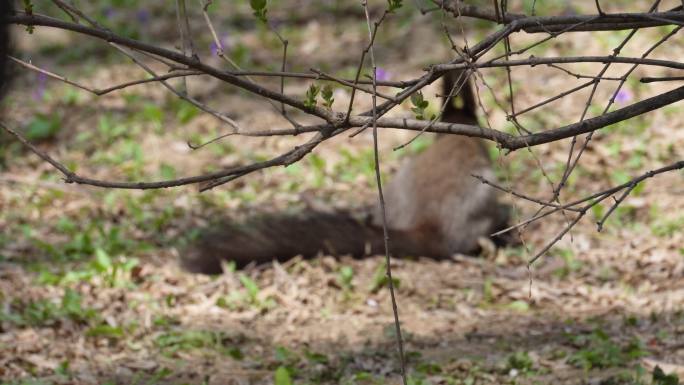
x,y
435,193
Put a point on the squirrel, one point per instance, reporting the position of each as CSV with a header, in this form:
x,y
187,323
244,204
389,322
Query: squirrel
x,y
435,209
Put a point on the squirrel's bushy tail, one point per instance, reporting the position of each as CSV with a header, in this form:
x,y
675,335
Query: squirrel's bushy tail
x,y
284,236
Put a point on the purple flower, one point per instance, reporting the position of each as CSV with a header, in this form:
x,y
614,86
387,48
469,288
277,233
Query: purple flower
x,y
40,86
225,45
623,96
214,48
109,12
143,16
382,75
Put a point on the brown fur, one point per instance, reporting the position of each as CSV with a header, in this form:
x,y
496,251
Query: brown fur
x,y
281,237
435,208
436,189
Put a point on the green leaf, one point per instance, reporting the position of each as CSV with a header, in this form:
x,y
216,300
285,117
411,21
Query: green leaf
x,y
71,302
638,189
346,275
393,5
520,306
152,113
598,211
316,358
416,98
282,376
620,177
380,279
419,105
28,8
105,331
327,94
250,285
257,4
167,171
43,127
186,112
63,369
311,94
660,378
259,8
283,355
317,162
102,262
235,353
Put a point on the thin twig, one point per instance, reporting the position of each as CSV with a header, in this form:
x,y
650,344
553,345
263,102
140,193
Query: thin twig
x,y
648,79
390,281
222,117
104,91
